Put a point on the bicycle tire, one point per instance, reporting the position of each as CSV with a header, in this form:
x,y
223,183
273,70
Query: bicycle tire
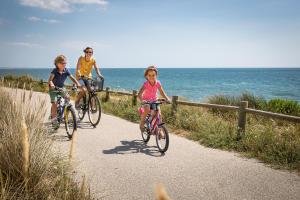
x,y
164,148
97,101
82,111
70,132
145,134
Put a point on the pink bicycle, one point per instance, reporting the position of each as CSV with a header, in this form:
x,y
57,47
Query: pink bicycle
x,y
155,126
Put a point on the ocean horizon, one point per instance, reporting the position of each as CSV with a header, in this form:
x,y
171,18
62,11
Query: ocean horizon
x,y
196,84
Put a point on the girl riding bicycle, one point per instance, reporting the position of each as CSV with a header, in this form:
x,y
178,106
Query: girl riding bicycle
x,y
148,92
57,79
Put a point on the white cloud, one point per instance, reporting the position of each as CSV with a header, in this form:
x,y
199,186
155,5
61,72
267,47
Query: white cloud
x,y
24,44
34,19
59,6
37,19
100,2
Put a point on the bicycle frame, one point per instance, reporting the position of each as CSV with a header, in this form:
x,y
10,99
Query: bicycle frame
x,y
155,120
64,104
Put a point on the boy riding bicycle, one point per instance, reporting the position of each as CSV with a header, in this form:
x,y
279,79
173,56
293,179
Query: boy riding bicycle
x,y
57,78
84,68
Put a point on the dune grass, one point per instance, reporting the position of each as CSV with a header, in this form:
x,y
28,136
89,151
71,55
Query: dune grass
x,y
29,167
271,141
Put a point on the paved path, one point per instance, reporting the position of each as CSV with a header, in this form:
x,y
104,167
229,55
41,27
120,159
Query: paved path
x,y
120,166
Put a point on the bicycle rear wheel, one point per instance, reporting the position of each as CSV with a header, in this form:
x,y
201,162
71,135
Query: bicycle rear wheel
x,y
94,110
162,138
82,111
70,121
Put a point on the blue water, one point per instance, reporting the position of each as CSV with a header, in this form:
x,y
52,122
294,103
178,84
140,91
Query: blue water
x,y
197,84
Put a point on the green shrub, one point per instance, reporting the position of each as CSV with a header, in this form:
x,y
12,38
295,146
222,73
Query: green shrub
x,y
256,102
284,106
223,100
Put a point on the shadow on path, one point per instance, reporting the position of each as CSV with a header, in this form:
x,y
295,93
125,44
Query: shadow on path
x,y
57,135
134,146
84,125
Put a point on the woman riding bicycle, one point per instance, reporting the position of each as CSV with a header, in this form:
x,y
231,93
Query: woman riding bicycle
x,y
84,68
57,78
148,92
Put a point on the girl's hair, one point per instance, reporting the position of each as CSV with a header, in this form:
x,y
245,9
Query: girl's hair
x,y
150,68
87,48
59,59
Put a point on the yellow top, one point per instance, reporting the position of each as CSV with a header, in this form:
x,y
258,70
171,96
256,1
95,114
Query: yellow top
x,y
85,67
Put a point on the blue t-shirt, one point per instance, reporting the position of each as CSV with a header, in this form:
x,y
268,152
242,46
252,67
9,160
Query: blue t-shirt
x,y
59,78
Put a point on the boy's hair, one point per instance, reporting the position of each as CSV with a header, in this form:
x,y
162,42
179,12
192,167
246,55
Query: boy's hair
x,y
150,68
87,48
59,59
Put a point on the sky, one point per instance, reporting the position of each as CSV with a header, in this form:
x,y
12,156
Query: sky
x,y
138,33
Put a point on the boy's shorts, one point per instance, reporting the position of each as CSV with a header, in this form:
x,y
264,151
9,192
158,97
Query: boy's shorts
x,y
54,94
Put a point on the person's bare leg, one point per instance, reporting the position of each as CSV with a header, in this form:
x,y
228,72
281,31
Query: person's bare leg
x,y
80,95
143,117
53,110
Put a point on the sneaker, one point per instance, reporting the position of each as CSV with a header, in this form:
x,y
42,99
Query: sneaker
x,y
55,123
161,135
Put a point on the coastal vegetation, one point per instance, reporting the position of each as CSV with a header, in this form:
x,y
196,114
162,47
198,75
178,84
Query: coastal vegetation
x,y
30,168
284,106
274,142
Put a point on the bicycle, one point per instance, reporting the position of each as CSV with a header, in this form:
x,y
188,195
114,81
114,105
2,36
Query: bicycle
x,y
155,126
91,103
66,112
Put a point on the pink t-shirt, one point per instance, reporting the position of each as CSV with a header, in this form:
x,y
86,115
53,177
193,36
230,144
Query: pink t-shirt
x,y
150,91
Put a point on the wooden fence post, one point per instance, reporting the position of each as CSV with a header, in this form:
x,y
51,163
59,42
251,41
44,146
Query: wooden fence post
x,y
134,97
107,94
174,104
242,119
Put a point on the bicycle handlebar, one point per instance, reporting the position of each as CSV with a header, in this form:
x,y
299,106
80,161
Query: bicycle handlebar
x,y
59,89
158,101
87,78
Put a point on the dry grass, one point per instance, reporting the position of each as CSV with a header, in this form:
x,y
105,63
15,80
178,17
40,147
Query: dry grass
x,y
29,167
161,193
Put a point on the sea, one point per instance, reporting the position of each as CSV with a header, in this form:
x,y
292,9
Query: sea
x,y
196,84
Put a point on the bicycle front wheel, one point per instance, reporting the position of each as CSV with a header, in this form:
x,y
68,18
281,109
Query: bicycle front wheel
x,y
94,110
70,121
145,134
162,138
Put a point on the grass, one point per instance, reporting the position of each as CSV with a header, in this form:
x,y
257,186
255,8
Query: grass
x,y
272,141
29,167
284,106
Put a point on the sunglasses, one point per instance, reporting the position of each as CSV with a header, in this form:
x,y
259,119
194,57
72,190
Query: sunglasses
x,y
89,52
